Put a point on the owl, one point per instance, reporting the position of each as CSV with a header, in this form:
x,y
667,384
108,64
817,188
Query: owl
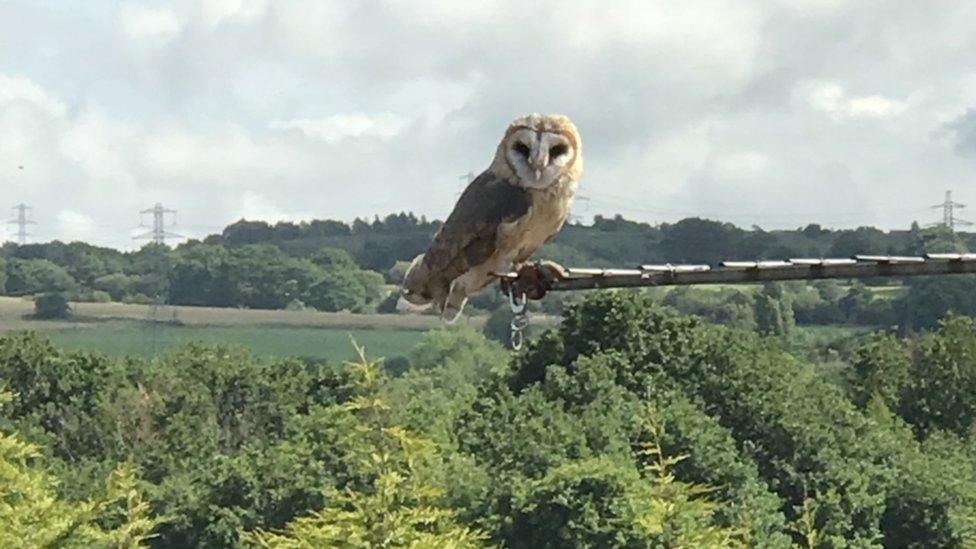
x,y
521,201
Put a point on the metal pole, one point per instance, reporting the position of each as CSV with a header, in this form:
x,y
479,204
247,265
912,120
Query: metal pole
x,y
863,267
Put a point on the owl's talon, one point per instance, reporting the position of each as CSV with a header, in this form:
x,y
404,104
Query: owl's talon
x,y
533,279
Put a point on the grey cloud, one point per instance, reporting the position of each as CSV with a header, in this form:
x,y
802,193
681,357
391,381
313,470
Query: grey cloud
x,y
964,132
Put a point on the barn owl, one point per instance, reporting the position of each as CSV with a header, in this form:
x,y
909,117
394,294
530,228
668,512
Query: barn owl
x,y
513,207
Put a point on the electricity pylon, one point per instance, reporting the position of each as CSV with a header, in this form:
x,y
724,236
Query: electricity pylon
x,y
22,221
158,234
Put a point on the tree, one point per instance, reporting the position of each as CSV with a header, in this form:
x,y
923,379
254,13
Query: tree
x,y
942,392
319,228
396,508
337,291
32,276
774,311
809,443
51,306
118,285
33,515
247,232
201,275
881,369
864,240
498,327
938,239
151,264
334,259
930,299
264,277
600,502
699,241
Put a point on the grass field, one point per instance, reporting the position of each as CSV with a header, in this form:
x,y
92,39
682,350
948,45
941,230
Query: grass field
x,y
147,339
121,329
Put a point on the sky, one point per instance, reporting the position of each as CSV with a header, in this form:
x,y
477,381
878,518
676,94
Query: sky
x,y
774,113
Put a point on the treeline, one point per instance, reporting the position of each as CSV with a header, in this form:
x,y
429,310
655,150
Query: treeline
x,y
628,426
380,244
333,266
258,276
775,308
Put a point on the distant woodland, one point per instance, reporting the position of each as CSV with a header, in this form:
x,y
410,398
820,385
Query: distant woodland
x,y
334,266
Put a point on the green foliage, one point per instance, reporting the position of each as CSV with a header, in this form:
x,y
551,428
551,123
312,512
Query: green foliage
x,y
930,299
3,276
938,239
398,508
882,369
774,311
942,392
334,259
265,277
33,515
861,241
726,306
336,265
51,306
699,241
498,327
336,292
826,461
929,382
440,379
628,426
26,277
680,513
595,502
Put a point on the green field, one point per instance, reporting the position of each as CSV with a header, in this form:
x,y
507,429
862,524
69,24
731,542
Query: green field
x,y
147,339
120,329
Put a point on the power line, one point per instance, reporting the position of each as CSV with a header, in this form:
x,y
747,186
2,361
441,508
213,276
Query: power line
x,y
22,221
158,234
949,218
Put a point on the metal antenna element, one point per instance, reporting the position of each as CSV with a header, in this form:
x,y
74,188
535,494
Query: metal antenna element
x,y
22,221
158,234
949,218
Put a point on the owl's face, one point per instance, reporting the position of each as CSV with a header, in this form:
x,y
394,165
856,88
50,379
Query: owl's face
x,y
541,149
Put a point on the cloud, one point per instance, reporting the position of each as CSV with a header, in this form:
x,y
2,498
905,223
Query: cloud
x,y
216,12
76,225
18,89
333,129
833,99
155,25
778,113
964,132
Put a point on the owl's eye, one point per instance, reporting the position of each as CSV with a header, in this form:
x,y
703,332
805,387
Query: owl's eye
x,y
522,149
558,150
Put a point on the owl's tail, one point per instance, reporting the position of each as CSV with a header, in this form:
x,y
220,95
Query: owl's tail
x,y
415,296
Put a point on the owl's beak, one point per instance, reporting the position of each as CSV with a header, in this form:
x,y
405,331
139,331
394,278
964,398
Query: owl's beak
x,y
538,163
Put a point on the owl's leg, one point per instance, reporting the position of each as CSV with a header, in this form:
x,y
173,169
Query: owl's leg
x,y
440,295
462,287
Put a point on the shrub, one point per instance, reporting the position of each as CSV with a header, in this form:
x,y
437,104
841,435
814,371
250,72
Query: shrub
x,y
51,306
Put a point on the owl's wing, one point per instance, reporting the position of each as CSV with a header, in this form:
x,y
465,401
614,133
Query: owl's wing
x,y
467,238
